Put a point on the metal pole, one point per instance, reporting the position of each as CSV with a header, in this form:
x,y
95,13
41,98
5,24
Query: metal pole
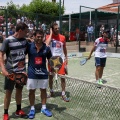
x,y
37,22
79,26
117,30
60,15
69,24
96,23
63,3
90,17
6,20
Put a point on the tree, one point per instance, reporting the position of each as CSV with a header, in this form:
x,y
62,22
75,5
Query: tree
x,y
45,7
12,9
54,1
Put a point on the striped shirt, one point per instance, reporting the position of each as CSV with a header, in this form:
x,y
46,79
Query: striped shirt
x,y
15,50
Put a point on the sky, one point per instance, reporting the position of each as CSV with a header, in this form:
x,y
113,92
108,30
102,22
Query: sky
x,y
71,6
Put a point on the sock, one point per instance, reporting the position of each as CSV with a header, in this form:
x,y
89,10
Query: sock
x,y
51,90
32,108
97,80
18,107
43,106
5,111
63,92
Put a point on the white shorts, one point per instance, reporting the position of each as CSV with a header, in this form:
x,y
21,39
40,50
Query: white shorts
x,y
37,83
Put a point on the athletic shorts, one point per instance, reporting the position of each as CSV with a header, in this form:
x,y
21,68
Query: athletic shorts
x,y
37,83
9,84
61,71
100,61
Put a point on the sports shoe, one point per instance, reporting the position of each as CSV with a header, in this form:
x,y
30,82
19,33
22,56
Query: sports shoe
x,y
5,117
46,112
100,81
20,113
64,97
31,114
50,95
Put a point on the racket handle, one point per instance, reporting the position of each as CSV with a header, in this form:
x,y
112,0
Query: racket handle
x,y
55,76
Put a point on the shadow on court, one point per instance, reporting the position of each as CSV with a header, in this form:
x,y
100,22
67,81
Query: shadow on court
x,y
51,107
58,94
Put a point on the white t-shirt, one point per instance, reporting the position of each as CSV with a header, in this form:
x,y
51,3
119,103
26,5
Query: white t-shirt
x,y
57,44
101,45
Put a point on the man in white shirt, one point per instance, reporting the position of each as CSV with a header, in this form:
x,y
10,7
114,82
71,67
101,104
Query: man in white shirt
x,y
99,49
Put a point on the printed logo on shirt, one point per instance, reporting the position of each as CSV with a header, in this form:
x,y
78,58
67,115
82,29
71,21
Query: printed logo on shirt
x,y
20,54
39,71
103,50
38,60
21,64
56,44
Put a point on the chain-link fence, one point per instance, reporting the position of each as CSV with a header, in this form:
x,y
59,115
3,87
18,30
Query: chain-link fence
x,y
88,101
75,27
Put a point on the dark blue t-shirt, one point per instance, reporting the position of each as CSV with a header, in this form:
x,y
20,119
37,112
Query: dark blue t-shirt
x,y
37,61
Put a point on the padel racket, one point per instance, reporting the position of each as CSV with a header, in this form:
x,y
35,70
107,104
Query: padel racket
x,y
55,63
83,61
19,78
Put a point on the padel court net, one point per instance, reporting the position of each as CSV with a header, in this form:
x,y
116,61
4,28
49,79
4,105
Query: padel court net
x,y
88,101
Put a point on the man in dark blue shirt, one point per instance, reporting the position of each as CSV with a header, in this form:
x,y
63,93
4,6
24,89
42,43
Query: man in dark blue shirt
x,y
38,52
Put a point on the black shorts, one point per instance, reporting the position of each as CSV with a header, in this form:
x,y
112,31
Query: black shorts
x,y
100,61
9,84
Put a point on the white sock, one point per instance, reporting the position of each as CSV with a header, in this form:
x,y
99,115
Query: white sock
x,y
43,106
63,92
51,90
97,80
32,108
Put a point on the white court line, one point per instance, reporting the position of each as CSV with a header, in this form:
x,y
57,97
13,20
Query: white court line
x,y
27,98
105,76
15,101
67,87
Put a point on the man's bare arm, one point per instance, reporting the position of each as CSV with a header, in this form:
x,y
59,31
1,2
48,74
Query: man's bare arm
x,y
49,38
4,71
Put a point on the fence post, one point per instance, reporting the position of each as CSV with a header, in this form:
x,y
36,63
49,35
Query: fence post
x,y
96,23
60,15
79,26
6,20
37,22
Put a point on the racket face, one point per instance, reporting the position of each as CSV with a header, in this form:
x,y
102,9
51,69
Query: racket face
x,y
55,62
83,61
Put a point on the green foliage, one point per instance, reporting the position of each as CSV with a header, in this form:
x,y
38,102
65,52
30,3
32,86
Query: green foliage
x,y
36,6
45,7
42,7
40,10
12,8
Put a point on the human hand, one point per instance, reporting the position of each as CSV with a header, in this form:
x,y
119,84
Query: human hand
x,y
4,72
51,31
89,57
